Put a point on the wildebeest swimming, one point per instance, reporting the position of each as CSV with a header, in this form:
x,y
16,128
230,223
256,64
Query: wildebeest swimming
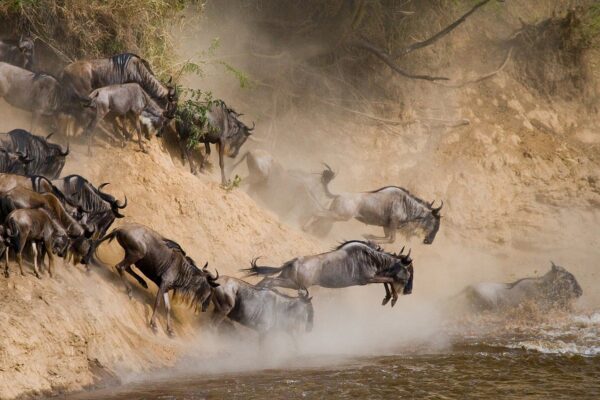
x,y
47,159
391,207
557,288
223,129
293,194
352,263
165,263
261,309
17,52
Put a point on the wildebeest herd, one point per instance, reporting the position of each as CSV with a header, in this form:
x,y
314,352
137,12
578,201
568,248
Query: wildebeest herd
x,y
43,215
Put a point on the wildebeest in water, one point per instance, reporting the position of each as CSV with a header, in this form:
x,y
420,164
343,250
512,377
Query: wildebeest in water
x,y
557,288
352,263
165,263
261,309
391,207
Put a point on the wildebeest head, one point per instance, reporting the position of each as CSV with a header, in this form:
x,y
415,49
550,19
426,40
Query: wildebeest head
x,y
403,271
562,285
431,223
237,135
26,48
115,204
306,304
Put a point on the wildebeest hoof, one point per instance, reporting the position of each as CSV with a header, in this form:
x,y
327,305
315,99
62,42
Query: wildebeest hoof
x,y
385,301
6,274
394,301
38,276
170,333
153,327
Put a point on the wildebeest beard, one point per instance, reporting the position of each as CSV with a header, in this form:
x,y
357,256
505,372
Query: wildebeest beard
x,y
124,71
192,284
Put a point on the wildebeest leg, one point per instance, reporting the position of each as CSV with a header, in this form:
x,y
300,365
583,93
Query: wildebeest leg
x,y
122,266
388,295
207,148
278,282
189,156
22,241
170,331
6,272
138,128
50,259
159,297
118,128
91,127
35,263
138,278
221,149
389,235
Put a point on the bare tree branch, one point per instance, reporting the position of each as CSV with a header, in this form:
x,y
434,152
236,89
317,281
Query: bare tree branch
x,y
441,33
376,51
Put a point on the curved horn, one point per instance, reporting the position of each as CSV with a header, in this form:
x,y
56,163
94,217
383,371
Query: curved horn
x,y
253,126
122,205
66,152
118,214
205,265
50,135
402,251
437,210
212,277
408,254
102,185
431,204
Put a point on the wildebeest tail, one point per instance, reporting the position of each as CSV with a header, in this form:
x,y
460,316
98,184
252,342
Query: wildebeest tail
x,y
91,254
258,270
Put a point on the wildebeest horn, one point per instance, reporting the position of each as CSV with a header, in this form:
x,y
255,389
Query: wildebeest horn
x,y
170,79
212,277
102,185
205,265
431,204
50,135
401,251
436,211
408,254
121,205
253,126
66,153
118,214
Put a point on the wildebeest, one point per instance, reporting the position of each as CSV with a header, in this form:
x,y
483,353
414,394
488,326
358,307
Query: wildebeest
x,y
128,101
391,207
38,93
223,129
35,226
165,263
12,163
352,263
261,309
290,193
47,159
557,288
18,52
81,77
18,198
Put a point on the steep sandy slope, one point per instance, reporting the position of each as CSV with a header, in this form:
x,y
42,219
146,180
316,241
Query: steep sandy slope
x,y
70,331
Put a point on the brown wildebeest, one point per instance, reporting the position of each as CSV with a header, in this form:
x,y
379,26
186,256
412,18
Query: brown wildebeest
x,y
165,263
391,207
352,263
19,197
128,101
19,52
261,309
37,93
224,129
35,226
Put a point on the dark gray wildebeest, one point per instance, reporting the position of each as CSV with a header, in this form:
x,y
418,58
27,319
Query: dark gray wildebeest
x,y
165,263
223,129
36,227
391,207
352,263
127,102
80,78
17,52
292,194
37,93
47,159
261,309
557,288
13,163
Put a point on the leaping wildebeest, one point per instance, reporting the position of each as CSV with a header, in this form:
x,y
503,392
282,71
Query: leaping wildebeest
x,y
17,52
261,309
223,129
557,288
293,194
47,159
37,93
166,264
126,102
352,263
391,207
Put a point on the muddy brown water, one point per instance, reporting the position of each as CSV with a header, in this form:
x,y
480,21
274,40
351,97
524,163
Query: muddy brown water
x,y
560,361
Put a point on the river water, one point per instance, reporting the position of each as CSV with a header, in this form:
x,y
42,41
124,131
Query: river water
x,y
542,360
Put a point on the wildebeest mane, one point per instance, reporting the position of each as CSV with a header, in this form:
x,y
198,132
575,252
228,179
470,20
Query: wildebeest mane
x,y
417,199
141,74
515,283
369,253
368,243
190,282
46,157
36,185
